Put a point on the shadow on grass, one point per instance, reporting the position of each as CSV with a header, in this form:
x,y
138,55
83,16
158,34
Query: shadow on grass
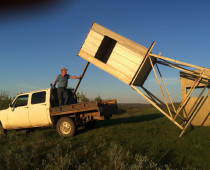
x,y
125,120
47,132
188,131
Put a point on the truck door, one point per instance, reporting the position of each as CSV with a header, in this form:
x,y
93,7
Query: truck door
x,y
18,113
38,110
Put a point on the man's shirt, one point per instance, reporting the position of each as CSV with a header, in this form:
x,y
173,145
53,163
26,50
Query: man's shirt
x,y
62,80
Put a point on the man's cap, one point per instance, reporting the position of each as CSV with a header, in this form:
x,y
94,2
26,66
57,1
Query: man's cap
x,y
64,69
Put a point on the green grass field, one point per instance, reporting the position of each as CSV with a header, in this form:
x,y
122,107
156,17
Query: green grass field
x,y
138,137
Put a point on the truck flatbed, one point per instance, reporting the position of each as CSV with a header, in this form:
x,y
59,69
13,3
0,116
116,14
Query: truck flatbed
x,y
98,110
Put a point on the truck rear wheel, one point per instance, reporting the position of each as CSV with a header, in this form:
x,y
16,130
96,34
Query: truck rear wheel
x,y
65,127
2,132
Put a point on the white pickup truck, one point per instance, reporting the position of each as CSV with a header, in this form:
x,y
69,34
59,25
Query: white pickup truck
x,y
40,108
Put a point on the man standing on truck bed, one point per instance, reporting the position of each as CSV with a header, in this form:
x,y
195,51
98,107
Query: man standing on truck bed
x,y
62,80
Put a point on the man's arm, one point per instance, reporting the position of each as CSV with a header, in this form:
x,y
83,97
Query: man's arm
x,y
54,83
74,77
56,80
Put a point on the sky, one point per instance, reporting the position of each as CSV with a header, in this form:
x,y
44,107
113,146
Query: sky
x,y
36,42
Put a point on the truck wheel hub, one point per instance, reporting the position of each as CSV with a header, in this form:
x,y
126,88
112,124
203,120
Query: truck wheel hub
x,y
65,127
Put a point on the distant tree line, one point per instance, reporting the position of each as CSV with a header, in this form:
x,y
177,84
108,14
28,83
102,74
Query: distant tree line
x,y
82,97
5,100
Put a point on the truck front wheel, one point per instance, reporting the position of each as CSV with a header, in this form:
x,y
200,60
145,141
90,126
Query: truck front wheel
x,y
65,127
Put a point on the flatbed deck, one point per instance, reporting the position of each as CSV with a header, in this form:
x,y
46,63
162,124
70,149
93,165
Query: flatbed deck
x,y
94,108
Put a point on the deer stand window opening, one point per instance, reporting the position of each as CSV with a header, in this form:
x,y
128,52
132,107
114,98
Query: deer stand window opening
x,y
105,49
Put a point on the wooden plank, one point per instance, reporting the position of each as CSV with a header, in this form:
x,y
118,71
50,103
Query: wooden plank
x,y
195,112
120,39
143,73
91,48
91,43
187,80
202,114
143,70
121,67
83,73
206,122
123,61
176,61
128,54
77,105
185,95
157,107
185,100
94,38
169,96
160,86
73,111
191,72
90,51
121,76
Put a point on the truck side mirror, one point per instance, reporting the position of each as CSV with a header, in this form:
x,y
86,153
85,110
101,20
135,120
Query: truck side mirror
x,y
12,106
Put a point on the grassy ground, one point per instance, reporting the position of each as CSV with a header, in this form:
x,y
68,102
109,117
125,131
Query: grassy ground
x,y
135,138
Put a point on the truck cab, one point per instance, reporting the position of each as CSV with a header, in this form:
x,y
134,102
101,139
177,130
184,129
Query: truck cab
x,y
27,110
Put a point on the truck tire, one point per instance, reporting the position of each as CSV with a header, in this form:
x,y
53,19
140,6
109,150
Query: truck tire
x,y
65,127
2,132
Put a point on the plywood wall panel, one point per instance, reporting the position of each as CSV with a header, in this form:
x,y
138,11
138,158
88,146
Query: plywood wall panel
x,y
128,54
121,68
92,43
145,69
120,39
123,61
187,81
121,76
202,117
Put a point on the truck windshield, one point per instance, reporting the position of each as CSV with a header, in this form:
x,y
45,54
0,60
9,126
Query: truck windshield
x,y
21,101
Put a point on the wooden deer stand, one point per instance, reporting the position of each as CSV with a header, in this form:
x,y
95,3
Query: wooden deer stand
x,y
132,63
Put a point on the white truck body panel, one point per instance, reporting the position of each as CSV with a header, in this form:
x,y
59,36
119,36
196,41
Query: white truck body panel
x,y
32,111
18,118
39,114
3,118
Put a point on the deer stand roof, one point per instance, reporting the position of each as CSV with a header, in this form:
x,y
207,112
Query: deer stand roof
x,y
132,63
